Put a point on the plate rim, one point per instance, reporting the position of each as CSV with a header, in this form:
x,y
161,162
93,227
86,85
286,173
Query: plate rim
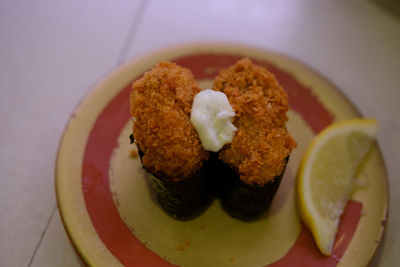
x,y
196,47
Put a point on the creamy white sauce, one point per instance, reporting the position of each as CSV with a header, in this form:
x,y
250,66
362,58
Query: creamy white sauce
x,y
212,117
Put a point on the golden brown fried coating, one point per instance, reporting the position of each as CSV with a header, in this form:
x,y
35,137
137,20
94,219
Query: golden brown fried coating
x,y
261,143
160,104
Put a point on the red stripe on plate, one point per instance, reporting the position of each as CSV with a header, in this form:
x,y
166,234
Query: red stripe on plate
x,y
305,252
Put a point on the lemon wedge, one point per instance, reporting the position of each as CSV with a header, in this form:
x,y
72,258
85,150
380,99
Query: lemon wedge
x,y
327,176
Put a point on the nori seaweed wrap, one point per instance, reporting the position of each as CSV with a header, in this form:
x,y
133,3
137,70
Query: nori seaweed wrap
x,y
244,201
184,199
168,145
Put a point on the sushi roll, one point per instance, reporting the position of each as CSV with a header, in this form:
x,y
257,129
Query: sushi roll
x,y
252,165
168,144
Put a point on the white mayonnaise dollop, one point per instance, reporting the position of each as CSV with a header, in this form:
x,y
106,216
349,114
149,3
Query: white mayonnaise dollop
x,y
212,117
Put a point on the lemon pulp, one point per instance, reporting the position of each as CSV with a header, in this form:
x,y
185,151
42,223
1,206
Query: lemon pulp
x,y
326,177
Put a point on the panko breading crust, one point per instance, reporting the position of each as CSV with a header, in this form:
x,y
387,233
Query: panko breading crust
x,y
161,103
261,144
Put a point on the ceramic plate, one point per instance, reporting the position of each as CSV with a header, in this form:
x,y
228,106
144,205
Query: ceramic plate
x,y
112,217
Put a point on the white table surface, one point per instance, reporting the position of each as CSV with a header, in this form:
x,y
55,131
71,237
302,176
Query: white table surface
x,y
52,52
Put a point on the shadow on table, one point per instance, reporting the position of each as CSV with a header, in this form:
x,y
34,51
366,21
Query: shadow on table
x,y
391,6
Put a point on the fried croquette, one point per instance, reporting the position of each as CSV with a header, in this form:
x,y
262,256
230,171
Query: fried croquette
x,y
160,104
261,144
